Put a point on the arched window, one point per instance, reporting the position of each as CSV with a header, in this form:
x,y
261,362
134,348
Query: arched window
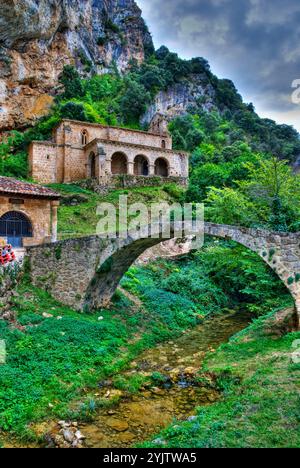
x,y
161,167
141,166
163,144
15,225
84,137
118,163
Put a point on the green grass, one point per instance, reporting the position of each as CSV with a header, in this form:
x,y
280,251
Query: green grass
x,y
55,364
55,361
261,402
82,219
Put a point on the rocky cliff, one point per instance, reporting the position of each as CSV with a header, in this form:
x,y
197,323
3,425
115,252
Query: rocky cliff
x,y
177,99
38,37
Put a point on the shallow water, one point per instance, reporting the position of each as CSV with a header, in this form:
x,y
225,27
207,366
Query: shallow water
x,y
136,418
139,417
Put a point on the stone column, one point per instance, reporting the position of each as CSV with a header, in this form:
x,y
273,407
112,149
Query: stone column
x,y
151,169
130,168
54,206
102,166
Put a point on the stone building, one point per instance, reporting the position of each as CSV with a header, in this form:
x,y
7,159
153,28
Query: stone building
x,y
28,213
81,150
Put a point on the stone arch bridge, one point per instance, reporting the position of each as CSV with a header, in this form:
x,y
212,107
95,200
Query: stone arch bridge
x,y
85,272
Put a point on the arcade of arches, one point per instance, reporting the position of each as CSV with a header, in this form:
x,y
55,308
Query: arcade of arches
x,y
119,164
67,157
141,166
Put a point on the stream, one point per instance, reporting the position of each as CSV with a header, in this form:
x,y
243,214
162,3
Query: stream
x,y
173,395
138,417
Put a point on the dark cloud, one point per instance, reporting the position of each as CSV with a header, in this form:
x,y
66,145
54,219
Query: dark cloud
x,y
256,43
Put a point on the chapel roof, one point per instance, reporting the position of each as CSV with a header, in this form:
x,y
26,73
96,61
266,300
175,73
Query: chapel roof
x,y
11,186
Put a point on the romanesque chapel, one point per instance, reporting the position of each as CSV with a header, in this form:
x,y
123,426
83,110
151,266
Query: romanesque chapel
x,y
81,150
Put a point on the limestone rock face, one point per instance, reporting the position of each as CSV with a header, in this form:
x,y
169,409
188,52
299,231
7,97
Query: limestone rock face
x,y
177,99
39,37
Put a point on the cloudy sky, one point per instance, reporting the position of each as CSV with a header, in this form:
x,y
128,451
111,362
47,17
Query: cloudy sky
x,y
256,43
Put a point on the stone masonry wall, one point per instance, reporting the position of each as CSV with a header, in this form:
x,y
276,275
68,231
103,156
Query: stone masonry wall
x,y
73,131
128,181
43,162
39,213
86,272
66,158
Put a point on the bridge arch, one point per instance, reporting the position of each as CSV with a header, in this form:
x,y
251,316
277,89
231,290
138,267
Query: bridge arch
x,y
91,165
89,270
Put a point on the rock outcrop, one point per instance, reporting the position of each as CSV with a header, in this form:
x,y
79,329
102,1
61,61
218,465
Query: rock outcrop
x,y
178,99
37,38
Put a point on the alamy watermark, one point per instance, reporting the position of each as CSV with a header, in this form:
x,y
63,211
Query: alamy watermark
x,y
296,93
2,352
157,220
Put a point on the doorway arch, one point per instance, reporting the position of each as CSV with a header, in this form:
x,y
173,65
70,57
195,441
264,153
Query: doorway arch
x,y
118,163
15,225
92,166
141,166
161,167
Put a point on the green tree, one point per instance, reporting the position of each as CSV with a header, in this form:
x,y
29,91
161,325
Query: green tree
x,y
275,190
205,176
278,218
272,178
134,102
153,80
73,111
186,132
229,206
71,83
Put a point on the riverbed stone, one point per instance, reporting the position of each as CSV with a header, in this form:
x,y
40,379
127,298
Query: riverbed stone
x,y
68,435
126,437
118,425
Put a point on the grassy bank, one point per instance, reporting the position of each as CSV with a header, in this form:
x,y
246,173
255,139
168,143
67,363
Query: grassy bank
x,y
56,356
261,402
77,214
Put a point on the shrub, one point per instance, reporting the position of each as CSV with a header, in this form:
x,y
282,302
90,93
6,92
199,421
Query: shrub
x,y
73,111
134,102
71,83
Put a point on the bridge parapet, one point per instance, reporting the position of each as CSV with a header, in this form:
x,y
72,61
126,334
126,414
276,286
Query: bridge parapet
x,y
85,272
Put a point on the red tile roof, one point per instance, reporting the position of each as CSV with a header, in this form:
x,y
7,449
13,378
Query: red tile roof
x,y
18,187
